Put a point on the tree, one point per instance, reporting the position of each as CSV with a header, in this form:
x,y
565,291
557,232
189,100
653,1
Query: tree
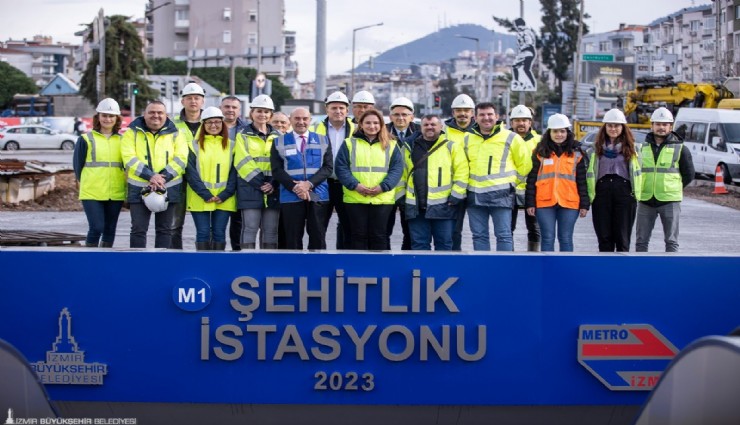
x,y
168,66
13,81
559,35
124,63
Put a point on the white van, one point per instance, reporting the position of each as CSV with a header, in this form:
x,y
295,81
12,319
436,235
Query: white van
x,y
713,135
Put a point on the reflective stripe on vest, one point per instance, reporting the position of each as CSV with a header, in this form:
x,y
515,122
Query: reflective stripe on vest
x,y
93,161
661,180
559,186
207,184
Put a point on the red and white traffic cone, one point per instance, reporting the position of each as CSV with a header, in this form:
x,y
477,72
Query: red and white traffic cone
x,y
719,182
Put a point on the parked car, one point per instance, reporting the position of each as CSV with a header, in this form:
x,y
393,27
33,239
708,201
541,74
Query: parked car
x,y
589,138
16,137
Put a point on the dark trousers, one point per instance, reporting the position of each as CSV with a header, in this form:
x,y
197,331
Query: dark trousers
x,y
102,219
459,222
310,216
369,224
336,202
235,230
533,230
613,210
140,217
178,219
406,243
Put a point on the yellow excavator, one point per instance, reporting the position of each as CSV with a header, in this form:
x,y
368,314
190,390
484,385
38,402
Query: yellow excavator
x,y
654,92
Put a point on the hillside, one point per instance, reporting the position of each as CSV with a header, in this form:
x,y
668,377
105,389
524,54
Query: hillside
x,y
440,45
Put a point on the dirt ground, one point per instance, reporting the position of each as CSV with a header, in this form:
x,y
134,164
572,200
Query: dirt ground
x,y
64,197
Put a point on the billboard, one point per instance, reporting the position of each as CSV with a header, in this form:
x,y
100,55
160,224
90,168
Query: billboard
x,y
611,79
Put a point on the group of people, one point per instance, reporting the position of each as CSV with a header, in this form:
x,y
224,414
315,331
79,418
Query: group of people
x,y
277,177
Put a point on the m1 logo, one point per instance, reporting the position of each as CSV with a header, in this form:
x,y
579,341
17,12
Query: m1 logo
x,y
624,357
191,294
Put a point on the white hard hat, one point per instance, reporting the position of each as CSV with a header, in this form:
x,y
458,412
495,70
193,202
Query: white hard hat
x,y
614,116
262,101
520,111
661,115
337,96
463,101
211,112
403,101
193,88
108,106
363,96
557,121
155,200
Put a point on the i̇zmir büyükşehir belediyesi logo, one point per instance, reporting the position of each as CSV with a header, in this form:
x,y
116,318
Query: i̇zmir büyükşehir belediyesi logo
x,y
65,363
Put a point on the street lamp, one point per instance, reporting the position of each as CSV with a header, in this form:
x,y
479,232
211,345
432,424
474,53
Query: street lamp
x,y
477,64
354,33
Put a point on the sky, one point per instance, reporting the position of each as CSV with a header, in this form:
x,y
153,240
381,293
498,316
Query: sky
x,y
403,21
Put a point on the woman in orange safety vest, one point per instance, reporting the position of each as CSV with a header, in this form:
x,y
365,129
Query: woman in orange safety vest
x,y
557,192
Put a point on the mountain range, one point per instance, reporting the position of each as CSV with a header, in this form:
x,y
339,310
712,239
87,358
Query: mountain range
x,y
442,45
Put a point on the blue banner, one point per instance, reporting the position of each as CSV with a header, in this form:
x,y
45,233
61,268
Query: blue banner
x,y
336,328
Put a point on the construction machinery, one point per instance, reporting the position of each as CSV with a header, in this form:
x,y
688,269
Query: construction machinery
x,y
654,92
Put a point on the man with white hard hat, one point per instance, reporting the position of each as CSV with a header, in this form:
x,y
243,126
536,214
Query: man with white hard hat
x,y
666,169
361,102
455,129
336,127
404,130
521,124
155,155
187,121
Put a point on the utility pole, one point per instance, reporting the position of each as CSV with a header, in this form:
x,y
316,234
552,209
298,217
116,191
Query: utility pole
x,y
521,15
320,85
577,66
259,41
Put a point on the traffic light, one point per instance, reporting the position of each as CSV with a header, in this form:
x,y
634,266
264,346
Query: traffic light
x,y
134,89
437,101
163,88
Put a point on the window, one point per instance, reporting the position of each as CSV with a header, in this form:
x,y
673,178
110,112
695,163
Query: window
x,y
252,16
227,36
697,133
718,144
227,13
252,38
694,25
737,12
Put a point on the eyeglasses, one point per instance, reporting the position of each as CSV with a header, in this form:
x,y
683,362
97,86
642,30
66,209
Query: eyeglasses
x,y
213,123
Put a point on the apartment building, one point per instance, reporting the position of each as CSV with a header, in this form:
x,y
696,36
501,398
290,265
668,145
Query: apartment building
x,y
207,33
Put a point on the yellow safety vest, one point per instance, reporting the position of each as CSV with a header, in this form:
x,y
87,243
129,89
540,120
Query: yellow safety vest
x,y
103,177
142,149
661,179
214,164
369,164
593,171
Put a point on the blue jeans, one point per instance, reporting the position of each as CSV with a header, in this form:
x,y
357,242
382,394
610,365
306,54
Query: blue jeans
x,y
210,225
478,218
564,219
422,231
102,218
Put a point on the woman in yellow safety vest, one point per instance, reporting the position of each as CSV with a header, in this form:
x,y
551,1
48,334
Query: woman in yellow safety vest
x,y
614,178
211,181
369,165
99,170
556,187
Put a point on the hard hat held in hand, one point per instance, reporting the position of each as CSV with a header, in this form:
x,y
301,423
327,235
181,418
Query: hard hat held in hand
x,y
211,112
463,101
262,101
108,106
520,111
661,115
155,200
557,121
193,88
614,116
403,101
363,96
337,96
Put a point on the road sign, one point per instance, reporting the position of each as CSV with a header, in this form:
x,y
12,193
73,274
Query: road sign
x,y
601,57
626,357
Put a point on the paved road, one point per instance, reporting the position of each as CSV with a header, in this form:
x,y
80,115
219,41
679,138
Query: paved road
x,y
705,228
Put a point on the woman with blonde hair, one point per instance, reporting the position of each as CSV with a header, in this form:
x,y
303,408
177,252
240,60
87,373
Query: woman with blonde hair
x,y
369,165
